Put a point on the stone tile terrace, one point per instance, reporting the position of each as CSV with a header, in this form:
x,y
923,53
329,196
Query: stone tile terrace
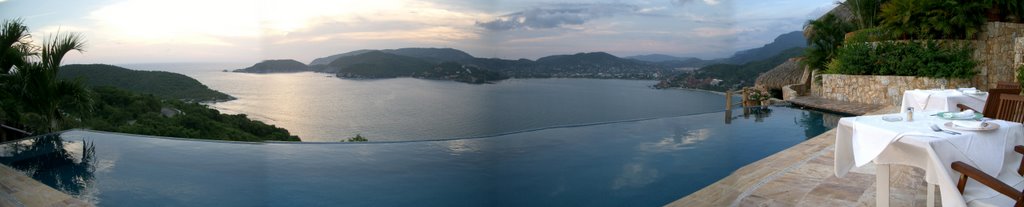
x,y
803,176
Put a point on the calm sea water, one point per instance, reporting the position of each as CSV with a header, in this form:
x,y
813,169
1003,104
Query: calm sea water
x,y
640,163
320,107
558,142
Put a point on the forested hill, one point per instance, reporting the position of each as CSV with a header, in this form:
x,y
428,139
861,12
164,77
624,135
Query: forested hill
x,y
435,55
730,75
778,45
275,66
162,84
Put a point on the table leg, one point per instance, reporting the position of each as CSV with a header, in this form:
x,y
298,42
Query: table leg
x,y
931,196
882,185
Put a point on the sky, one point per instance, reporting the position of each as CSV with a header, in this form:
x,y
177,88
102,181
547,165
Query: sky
x,y
149,31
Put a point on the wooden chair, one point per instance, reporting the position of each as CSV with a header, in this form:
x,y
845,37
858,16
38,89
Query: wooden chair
x,y
1007,85
966,171
1011,108
992,103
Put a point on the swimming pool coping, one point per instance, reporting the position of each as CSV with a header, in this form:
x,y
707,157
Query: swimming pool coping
x,y
17,189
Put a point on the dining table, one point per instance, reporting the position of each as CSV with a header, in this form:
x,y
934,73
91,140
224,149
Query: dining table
x,y
895,139
943,99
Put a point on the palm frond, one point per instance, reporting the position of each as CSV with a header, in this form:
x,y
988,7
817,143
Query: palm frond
x,y
53,51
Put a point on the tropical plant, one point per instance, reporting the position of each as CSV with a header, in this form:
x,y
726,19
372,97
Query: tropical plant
x,y
934,19
1005,10
866,12
823,37
15,45
39,99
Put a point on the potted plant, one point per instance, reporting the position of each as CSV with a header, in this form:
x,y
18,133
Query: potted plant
x,y
758,96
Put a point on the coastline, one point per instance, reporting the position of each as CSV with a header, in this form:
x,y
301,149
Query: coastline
x,y
700,90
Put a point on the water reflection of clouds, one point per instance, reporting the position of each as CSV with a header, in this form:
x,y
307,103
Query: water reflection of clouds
x,y
678,141
638,174
457,147
635,175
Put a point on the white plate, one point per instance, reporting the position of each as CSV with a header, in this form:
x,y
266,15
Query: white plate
x,y
986,127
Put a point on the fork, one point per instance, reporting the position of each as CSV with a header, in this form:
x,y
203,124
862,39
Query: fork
x,y
937,129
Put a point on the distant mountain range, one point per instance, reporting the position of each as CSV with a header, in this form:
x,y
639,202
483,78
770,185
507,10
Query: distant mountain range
x,y
781,43
454,64
435,55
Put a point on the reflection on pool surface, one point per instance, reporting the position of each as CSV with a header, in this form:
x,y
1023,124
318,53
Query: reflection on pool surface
x,y
641,163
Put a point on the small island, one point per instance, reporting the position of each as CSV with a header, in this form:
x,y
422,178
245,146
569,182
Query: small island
x,y
275,66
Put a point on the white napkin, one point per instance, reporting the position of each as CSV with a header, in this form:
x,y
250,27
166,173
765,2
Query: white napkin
x,y
962,115
969,124
968,90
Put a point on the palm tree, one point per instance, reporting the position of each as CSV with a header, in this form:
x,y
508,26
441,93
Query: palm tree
x,y
15,47
39,99
824,36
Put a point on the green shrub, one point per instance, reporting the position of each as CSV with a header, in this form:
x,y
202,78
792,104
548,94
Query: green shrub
x,y
905,58
934,19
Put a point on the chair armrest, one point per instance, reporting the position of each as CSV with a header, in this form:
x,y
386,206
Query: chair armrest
x,y
985,179
963,107
1020,149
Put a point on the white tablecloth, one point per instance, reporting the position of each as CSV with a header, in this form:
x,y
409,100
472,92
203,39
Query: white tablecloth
x,y
936,100
863,139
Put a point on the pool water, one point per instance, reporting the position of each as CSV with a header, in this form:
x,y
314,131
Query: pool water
x,y
638,163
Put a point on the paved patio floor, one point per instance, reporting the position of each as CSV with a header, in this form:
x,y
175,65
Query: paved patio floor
x,y
803,176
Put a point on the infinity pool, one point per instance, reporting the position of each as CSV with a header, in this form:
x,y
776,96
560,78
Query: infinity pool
x,y
637,163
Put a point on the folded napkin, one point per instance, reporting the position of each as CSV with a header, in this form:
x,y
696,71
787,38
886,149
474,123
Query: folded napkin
x,y
969,124
961,115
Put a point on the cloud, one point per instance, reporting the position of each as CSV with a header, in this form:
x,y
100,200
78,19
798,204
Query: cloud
x,y
708,2
557,16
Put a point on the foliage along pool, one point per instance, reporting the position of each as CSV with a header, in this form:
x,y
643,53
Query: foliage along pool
x,y
637,163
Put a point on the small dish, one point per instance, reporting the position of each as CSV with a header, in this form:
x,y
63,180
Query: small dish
x,y
987,126
892,118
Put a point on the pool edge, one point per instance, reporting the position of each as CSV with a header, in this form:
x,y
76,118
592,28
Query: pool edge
x,y
17,189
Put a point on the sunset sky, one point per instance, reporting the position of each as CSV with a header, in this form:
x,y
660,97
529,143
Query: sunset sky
x,y
140,31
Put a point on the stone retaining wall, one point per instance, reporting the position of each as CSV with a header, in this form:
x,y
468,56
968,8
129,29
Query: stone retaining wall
x,y
879,90
998,50
792,91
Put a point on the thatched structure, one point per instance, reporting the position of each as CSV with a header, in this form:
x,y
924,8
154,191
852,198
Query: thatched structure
x,y
789,72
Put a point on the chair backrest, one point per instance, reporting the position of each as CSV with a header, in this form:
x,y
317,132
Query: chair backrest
x,y
1011,108
1007,85
992,103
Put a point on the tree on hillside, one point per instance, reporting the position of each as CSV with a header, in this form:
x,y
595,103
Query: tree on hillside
x,y
824,37
32,90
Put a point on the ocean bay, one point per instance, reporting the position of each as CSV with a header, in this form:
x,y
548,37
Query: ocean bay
x,y
320,107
